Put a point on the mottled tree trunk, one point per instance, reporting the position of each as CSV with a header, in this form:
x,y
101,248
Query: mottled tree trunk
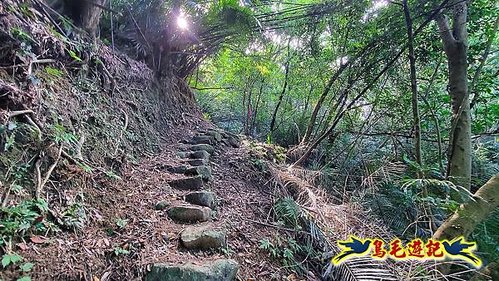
x,y
414,86
90,15
470,214
455,42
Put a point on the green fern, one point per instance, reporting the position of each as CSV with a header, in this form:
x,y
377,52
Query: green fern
x,y
288,212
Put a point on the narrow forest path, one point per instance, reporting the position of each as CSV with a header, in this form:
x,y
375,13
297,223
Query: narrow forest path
x,y
196,210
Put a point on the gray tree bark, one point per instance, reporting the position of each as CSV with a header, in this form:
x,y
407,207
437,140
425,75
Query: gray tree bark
x,y
455,43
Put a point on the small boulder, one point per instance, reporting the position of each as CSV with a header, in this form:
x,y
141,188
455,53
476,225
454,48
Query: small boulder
x,y
200,154
177,169
197,162
215,135
218,270
161,205
183,154
203,171
191,183
202,238
206,147
202,198
203,140
189,214
234,142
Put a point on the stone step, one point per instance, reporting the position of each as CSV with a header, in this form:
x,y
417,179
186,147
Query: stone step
x,y
177,169
206,147
214,134
190,183
200,154
203,171
201,198
203,139
203,238
218,270
189,214
183,154
197,162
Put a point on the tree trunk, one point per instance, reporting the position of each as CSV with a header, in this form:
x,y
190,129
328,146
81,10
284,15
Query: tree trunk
x,y
281,96
470,214
318,105
435,118
90,15
255,112
455,42
337,118
414,87
249,112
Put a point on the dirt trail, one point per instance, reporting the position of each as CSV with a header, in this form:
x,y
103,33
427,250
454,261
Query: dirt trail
x,y
125,233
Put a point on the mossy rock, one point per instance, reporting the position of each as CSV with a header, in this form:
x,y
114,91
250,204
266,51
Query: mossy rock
x,y
218,270
201,198
200,154
206,147
203,171
189,214
190,183
202,238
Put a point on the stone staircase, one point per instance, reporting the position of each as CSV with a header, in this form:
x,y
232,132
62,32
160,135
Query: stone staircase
x,y
196,211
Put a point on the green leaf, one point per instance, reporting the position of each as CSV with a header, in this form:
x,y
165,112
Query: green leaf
x,y
27,267
74,56
5,261
10,259
53,71
24,278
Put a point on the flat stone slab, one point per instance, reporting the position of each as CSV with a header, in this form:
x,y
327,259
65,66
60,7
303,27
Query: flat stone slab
x,y
203,171
189,214
202,238
177,169
218,270
197,162
182,154
200,154
206,147
191,183
203,140
201,198
215,135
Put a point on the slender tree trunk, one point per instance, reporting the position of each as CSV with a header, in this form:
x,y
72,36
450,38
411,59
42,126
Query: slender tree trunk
x,y
470,214
255,112
350,104
435,118
455,42
414,87
307,101
322,98
281,96
329,85
249,112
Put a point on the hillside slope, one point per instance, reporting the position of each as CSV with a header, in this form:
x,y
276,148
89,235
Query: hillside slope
x,y
89,138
